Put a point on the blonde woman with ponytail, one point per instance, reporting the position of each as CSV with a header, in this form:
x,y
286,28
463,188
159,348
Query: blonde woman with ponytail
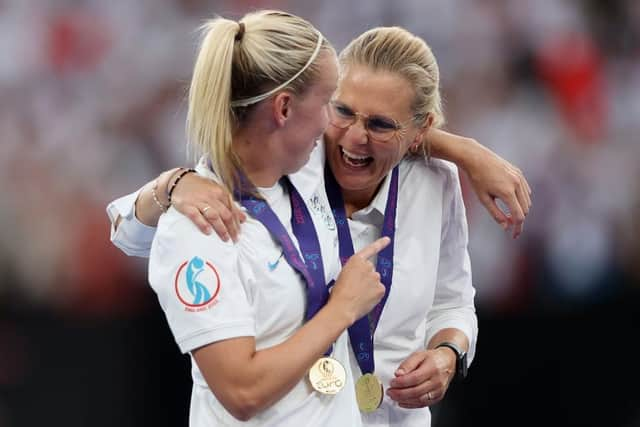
x,y
267,342
382,178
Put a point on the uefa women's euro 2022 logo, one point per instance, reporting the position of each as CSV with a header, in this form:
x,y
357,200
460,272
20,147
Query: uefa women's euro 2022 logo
x,y
197,284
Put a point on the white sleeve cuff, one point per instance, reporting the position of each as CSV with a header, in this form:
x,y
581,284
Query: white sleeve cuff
x,y
210,336
132,237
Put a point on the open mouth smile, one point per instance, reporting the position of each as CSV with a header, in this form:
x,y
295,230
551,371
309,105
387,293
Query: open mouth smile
x,y
355,160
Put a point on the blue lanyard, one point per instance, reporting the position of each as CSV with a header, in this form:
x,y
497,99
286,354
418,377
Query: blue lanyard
x,y
310,265
361,332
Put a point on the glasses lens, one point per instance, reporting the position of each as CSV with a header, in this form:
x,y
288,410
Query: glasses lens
x,y
341,116
381,128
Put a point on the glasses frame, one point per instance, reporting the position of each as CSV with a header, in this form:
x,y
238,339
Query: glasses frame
x,y
399,127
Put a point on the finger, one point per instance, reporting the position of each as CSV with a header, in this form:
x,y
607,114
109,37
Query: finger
x,y
224,214
517,230
517,216
417,376
240,216
497,214
198,219
234,228
219,226
228,215
527,190
408,365
428,399
373,248
233,221
521,194
525,197
526,183
522,199
405,394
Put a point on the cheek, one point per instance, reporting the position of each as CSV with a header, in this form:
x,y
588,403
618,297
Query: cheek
x,y
332,136
390,156
324,119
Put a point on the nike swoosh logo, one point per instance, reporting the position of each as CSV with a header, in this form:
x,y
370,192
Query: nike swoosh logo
x,y
272,265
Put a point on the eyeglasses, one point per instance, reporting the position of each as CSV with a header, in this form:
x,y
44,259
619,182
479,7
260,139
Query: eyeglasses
x,y
379,128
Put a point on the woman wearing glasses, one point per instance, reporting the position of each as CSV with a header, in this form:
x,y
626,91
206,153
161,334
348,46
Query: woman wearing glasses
x,y
268,345
408,349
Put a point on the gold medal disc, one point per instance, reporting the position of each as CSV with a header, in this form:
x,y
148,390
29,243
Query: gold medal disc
x,y
327,376
369,393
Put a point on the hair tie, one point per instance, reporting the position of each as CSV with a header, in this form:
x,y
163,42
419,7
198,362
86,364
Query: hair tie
x,y
249,101
240,32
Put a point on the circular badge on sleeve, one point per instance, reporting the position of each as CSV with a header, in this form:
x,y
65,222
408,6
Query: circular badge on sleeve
x,y
197,283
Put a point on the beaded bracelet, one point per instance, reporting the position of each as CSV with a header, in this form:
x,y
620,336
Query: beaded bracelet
x,y
163,208
173,186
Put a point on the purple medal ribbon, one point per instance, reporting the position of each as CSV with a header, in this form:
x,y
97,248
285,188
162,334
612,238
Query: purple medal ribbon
x,y
310,265
362,331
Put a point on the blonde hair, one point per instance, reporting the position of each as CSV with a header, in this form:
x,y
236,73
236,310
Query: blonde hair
x,y
244,65
396,50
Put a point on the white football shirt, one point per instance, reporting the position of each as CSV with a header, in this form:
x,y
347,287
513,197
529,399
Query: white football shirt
x,y
211,290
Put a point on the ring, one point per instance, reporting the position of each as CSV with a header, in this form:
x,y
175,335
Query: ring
x,y
429,396
205,209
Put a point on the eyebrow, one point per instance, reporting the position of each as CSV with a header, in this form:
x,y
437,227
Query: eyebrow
x,y
378,115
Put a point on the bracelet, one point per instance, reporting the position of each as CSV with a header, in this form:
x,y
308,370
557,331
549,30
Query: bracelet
x,y
173,186
163,208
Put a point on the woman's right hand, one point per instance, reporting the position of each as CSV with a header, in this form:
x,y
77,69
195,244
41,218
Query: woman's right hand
x,y
208,205
358,289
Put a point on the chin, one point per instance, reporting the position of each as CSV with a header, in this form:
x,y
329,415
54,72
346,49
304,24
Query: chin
x,y
298,165
352,180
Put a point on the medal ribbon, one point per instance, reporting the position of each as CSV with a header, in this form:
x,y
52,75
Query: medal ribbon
x,y
362,331
310,265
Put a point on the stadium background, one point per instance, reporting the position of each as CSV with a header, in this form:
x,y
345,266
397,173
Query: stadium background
x,y
92,104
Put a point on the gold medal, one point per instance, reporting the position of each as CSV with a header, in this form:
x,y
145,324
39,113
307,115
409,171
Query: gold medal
x,y
327,376
369,393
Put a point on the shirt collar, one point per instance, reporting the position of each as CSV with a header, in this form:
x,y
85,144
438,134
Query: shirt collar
x,y
374,212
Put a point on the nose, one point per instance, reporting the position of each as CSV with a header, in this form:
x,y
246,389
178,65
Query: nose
x,y
357,133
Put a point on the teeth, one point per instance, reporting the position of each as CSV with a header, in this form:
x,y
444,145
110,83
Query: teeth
x,y
355,160
354,156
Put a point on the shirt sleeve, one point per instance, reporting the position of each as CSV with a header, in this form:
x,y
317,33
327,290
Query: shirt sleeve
x,y
131,236
199,284
453,305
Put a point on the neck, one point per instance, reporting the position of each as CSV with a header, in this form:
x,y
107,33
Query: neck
x,y
258,168
354,200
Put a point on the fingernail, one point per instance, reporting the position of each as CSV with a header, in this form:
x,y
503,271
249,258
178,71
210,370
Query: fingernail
x,y
207,231
400,372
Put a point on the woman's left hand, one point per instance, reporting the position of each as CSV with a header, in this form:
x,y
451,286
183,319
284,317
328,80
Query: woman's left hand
x,y
422,379
493,177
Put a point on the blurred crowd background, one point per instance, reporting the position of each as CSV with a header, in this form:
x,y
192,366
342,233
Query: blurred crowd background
x,y
92,105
